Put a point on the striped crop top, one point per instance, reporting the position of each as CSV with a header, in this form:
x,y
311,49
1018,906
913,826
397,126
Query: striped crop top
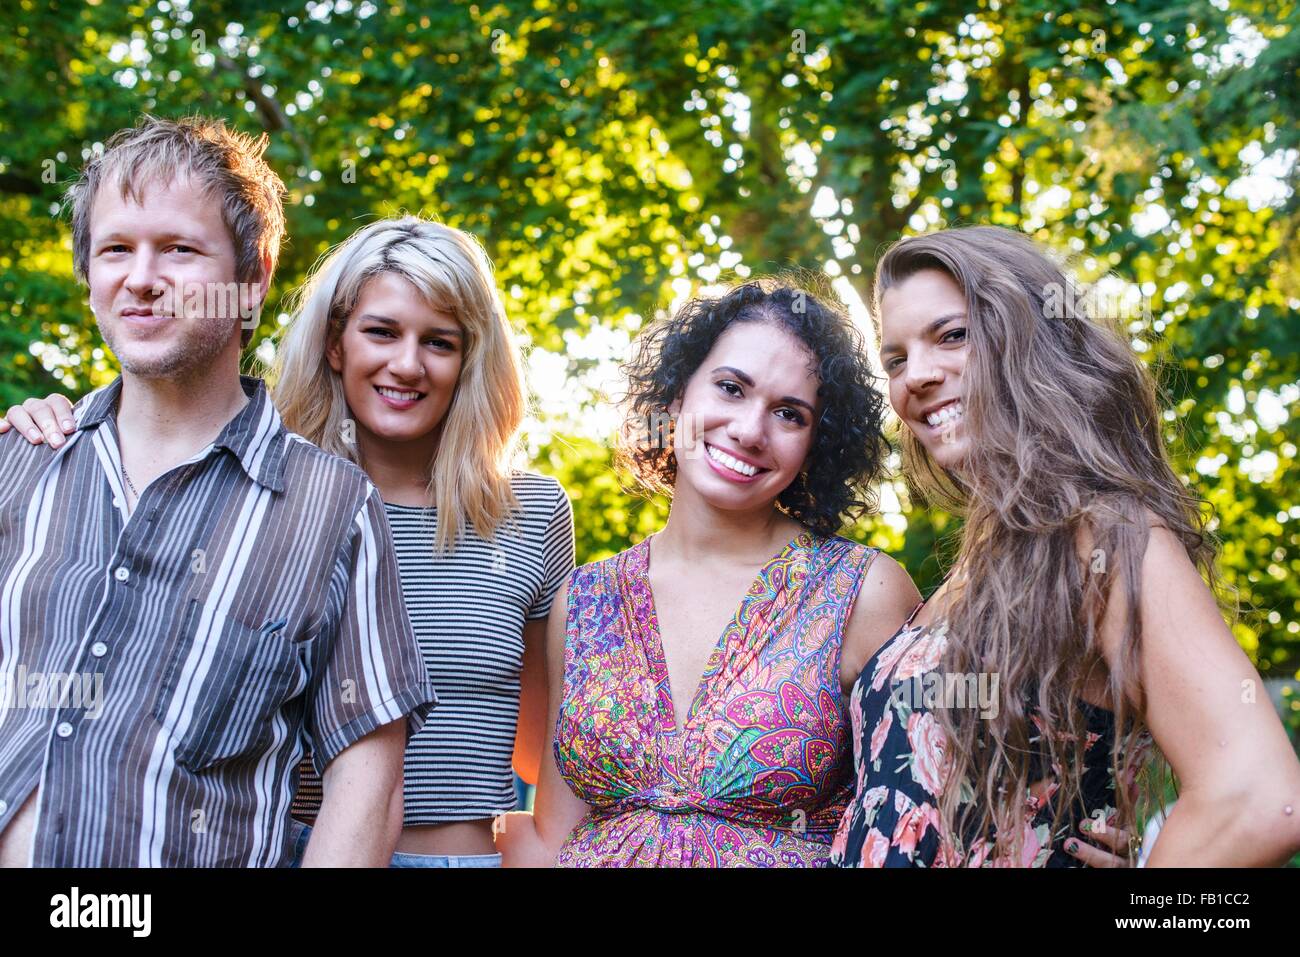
x,y
468,610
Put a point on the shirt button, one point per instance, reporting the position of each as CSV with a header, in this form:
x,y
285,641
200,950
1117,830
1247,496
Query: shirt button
x,y
99,649
4,806
117,503
64,730
121,574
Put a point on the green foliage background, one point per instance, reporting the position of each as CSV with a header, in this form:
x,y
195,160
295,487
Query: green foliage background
x,y
602,150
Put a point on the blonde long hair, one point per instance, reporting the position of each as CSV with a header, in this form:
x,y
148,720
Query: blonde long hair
x,y
1066,444
470,476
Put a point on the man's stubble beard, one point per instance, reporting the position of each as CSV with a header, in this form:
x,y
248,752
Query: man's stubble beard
x,y
191,357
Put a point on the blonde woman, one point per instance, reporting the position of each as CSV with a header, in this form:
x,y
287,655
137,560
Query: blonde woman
x,y
399,357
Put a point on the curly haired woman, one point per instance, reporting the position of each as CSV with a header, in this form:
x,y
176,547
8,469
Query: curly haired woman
x,y
698,679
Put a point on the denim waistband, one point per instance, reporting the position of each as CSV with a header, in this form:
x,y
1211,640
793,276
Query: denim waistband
x,y
299,834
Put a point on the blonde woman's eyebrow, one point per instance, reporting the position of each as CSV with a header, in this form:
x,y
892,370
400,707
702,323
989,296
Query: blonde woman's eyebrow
x,y
389,321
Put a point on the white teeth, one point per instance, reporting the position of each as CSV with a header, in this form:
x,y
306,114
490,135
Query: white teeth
x,y
395,394
949,413
722,458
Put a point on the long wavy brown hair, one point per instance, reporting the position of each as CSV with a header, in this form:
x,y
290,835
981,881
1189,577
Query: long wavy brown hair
x,y
1067,471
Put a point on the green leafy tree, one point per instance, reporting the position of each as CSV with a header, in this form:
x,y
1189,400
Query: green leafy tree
x,y
612,156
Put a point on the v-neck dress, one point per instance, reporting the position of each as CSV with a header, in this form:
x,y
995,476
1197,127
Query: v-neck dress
x,y
762,768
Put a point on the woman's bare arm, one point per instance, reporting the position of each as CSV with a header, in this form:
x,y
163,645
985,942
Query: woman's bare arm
x,y
1208,710
531,735
534,839
885,598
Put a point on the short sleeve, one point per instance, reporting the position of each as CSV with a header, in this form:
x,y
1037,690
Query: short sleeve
x,y
557,554
374,672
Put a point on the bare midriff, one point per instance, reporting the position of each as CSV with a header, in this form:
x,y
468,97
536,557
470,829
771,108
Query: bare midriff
x,y
454,837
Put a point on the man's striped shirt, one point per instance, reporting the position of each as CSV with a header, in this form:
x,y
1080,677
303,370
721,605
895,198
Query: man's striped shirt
x,y
247,608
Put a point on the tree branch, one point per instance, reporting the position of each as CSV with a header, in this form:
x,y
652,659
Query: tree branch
x,y
272,114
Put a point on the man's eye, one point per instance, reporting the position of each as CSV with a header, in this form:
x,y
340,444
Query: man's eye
x,y
183,249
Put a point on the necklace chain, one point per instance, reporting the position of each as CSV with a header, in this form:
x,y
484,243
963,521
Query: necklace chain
x,y
129,483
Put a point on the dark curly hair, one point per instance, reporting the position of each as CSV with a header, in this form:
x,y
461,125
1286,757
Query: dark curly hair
x,y
849,448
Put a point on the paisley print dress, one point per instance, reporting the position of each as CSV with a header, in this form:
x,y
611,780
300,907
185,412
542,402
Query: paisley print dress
x,y
761,771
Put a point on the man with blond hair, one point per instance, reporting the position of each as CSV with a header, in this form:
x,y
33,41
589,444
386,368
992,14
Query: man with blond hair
x,y
231,586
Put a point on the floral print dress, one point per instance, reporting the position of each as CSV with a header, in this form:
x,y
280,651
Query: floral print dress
x,y
761,771
900,768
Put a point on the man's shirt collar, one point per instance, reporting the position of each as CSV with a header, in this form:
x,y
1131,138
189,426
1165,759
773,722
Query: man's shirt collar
x,y
255,436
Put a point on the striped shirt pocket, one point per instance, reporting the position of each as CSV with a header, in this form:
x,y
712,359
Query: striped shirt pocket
x,y
223,692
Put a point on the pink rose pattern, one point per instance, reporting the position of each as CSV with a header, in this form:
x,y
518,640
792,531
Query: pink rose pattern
x,y
929,761
880,734
902,766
